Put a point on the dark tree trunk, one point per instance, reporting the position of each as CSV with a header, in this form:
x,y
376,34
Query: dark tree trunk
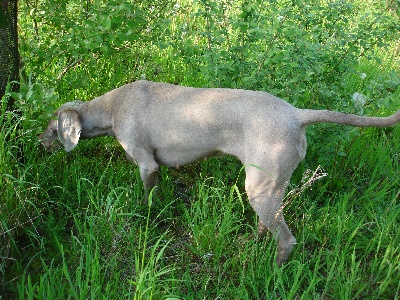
x,y
9,56
9,65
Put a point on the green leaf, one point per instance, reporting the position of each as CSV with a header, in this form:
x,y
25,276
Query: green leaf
x,y
28,94
16,96
107,23
50,109
49,92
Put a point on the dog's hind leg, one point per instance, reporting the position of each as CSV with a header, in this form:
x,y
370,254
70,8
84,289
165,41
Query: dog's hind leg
x,y
265,195
266,181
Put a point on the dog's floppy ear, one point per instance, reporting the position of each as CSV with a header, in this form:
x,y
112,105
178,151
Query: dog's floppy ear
x,y
69,128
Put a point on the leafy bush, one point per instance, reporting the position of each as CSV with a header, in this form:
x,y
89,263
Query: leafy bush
x,y
295,50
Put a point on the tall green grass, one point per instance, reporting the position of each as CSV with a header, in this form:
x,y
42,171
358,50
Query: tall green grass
x,y
93,239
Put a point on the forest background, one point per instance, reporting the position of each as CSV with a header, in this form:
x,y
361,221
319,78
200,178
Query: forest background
x,y
72,226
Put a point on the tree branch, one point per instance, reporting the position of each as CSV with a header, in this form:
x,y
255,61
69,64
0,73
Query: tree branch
x,y
68,67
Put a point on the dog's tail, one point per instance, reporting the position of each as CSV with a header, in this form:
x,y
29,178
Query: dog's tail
x,y
309,116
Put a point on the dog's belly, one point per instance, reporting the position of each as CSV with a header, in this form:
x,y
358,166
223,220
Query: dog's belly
x,y
174,158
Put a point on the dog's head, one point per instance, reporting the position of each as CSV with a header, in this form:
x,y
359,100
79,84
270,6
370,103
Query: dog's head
x,y
64,129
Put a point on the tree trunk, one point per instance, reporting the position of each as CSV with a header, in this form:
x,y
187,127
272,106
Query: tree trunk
x,y
9,56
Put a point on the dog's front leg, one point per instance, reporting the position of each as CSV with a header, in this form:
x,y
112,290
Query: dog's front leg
x,y
149,176
148,169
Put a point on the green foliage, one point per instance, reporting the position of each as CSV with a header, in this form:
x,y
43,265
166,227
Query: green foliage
x,y
72,226
36,103
64,35
295,50
292,49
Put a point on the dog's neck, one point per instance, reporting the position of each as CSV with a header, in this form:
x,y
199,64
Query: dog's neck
x,y
96,118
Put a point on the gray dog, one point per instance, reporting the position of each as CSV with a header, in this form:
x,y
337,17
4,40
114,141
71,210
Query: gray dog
x,y
159,123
